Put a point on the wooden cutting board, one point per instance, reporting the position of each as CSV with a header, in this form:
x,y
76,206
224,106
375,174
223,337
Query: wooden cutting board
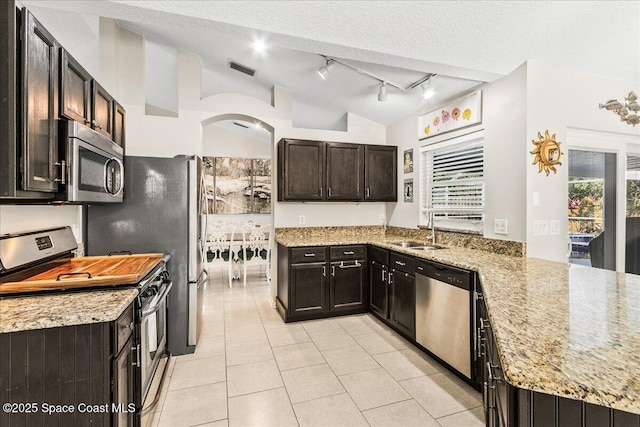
x,y
87,272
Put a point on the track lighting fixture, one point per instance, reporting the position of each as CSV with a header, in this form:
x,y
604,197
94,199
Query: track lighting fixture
x,y
324,70
427,90
382,95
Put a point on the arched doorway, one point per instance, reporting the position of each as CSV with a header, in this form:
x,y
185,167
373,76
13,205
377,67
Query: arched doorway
x,y
238,155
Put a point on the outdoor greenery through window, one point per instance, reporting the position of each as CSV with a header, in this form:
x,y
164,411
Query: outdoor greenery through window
x,y
238,186
453,183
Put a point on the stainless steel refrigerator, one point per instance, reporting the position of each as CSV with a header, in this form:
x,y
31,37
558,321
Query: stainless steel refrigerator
x,y
161,212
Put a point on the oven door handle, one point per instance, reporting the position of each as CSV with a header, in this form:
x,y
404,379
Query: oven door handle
x,y
149,311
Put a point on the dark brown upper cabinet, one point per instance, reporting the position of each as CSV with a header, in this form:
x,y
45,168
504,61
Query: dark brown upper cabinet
x,y
119,124
380,173
335,171
75,90
301,166
345,171
39,101
102,110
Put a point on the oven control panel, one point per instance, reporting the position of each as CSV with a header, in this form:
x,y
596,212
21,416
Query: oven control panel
x,y
44,243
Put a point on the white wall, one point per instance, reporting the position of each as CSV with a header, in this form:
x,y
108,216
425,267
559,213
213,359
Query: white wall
x,y
161,75
221,142
558,100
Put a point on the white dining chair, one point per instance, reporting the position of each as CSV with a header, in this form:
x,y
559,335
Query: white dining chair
x,y
257,241
220,236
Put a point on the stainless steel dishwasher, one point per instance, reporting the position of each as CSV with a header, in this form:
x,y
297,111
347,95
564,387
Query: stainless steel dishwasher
x,y
443,313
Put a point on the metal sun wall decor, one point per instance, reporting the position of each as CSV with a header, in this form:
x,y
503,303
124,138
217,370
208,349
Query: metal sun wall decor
x,y
628,111
547,152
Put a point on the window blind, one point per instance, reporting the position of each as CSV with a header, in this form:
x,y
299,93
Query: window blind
x,y
453,184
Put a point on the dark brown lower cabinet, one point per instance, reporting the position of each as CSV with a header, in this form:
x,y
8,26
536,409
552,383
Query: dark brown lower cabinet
x,y
403,302
308,288
316,282
67,376
378,288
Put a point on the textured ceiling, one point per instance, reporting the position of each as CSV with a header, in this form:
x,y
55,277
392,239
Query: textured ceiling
x,y
463,42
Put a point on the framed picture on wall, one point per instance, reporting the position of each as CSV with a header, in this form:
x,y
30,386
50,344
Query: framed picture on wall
x,y
408,190
408,161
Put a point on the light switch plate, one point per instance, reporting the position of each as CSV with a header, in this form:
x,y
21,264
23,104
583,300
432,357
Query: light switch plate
x,y
500,226
302,220
554,227
541,228
536,199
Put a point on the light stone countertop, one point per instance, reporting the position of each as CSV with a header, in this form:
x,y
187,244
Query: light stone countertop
x,y
63,309
561,329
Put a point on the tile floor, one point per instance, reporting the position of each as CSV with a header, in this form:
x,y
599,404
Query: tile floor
x,y
251,369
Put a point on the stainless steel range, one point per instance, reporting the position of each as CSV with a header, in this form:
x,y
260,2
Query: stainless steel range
x,y
28,255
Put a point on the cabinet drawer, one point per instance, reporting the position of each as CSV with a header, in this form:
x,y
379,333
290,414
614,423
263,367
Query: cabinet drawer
x,y
348,252
401,262
310,254
379,255
123,328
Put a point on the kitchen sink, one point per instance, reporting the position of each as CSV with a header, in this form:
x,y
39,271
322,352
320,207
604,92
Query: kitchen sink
x,y
414,245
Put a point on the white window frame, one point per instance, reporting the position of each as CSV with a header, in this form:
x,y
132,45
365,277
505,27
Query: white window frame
x,y
440,213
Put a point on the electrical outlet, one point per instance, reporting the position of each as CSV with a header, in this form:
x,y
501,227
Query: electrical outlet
x,y
382,219
554,227
500,226
541,228
302,220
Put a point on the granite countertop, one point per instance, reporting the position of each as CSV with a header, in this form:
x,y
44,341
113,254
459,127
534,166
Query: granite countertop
x,y
63,309
561,329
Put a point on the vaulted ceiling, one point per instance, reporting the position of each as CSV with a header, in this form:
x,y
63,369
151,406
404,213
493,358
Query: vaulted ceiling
x,y
464,43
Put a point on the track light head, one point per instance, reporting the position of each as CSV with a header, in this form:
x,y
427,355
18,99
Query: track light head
x,y
427,90
382,95
324,70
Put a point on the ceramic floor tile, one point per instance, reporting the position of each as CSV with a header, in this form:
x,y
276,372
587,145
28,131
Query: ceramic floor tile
x,y
405,364
297,356
248,352
195,405
320,325
221,423
253,377
206,347
332,339
197,372
349,360
287,336
310,383
381,342
406,414
441,395
470,418
370,389
338,410
212,329
263,409
358,325
244,333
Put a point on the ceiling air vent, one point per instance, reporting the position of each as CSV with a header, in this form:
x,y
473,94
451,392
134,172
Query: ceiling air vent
x,y
239,67
241,125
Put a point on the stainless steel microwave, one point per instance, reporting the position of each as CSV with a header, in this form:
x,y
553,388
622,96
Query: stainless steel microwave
x,y
94,166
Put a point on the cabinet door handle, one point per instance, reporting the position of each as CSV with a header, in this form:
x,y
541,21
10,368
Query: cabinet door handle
x,y
367,193
329,191
390,278
320,191
355,265
384,278
401,263
309,255
136,348
349,252
481,343
324,271
333,271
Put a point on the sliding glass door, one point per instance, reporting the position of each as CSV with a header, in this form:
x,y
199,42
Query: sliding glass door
x,y
592,208
632,217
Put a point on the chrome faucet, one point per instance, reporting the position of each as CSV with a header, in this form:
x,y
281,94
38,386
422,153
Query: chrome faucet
x,y
431,225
